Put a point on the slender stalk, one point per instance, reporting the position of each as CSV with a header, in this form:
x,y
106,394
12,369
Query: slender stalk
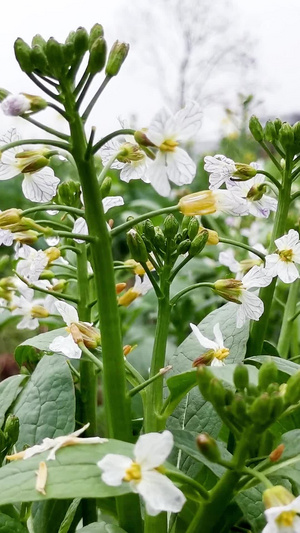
x,y
147,382
79,236
285,336
271,178
57,109
85,90
243,245
46,128
95,98
107,138
60,296
140,218
53,207
175,298
180,266
42,86
50,142
266,294
271,156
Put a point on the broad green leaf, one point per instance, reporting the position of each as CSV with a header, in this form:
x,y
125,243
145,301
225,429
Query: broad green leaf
x,y
10,525
101,527
284,365
9,389
74,474
41,342
46,405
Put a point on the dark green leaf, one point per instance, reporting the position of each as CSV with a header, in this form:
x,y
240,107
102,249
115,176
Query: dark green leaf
x,y
41,342
9,389
10,525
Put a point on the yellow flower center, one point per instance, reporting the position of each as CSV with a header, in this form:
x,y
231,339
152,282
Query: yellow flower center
x,y
133,473
221,354
286,255
169,145
286,519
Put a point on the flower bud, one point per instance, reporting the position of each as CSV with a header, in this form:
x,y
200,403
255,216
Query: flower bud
x,y
69,193
208,447
276,454
198,203
47,274
10,217
204,378
81,42
54,56
286,136
193,228
141,138
267,374
26,237
91,336
170,226
7,283
15,105
60,285
128,297
277,496
241,377
270,131
260,410
244,172
97,56
105,187
116,58
238,408
38,40
149,230
23,55
159,239
184,246
230,289
198,243
96,32
296,130
137,246
277,405
292,392
277,124
11,430
36,103
204,359
217,393
31,161
39,59
256,129
213,237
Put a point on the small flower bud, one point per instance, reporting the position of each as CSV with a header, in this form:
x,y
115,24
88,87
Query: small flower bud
x,y
31,161
277,124
241,377
213,237
296,130
10,217
193,228
267,374
60,285
208,447
91,336
270,131
81,42
127,349
204,378
276,454
184,246
292,392
96,32
170,226
286,136
198,243
68,193
244,172
217,393
15,105
142,139
26,237
55,56
39,59
256,129
105,186
120,287
11,430
23,55
47,274
38,40
204,359
137,246
260,410
238,408
149,230
159,239
128,297
97,56
116,58
277,405
230,289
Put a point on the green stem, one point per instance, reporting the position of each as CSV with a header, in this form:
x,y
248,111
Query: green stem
x,y
258,332
46,128
285,336
84,90
243,245
150,214
107,138
190,288
152,280
271,178
53,207
21,142
147,382
42,86
90,356
69,235
271,156
183,478
95,98
60,296
258,475
278,149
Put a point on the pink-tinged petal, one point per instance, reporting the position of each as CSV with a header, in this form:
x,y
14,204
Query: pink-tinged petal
x,y
287,272
67,346
80,226
40,186
204,341
114,467
218,335
157,175
160,494
112,201
15,105
157,131
187,121
68,312
151,450
181,169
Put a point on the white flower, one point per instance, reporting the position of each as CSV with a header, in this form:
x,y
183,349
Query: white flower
x,y
282,510
133,164
56,444
172,163
32,264
208,202
6,237
216,346
39,186
15,104
252,306
80,225
253,190
156,489
239,268
282,263
220,168
66,345
31,309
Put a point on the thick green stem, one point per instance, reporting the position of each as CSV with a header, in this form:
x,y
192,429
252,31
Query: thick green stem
x,y
285,336
266,294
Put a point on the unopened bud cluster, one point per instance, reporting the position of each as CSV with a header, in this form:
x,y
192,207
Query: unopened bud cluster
x,y
276,131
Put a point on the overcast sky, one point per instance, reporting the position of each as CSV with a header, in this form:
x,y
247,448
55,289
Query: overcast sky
x,y
273,25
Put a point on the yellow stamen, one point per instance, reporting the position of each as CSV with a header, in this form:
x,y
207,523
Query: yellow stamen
x,y
168,145
133,473
221,354
286,256
286,519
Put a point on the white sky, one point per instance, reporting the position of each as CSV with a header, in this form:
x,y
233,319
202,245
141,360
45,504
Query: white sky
x,y
274,24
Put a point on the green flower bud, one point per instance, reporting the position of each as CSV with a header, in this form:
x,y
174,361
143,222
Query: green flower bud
x,y
39,59
270,131
277,124
244,172
230,289
256,128
198,243
185,222
149,229
141,138
184,246
170,226
292,392
68,193
148,244
116,58
71,38
296,130
286,136
81,42
68,54
4,262
136,245
260,410
159,239
55,56
178,238
193,228
277,405
267,374
238,409
204,377
105,186
241,377
208,447
96,32
23,55
217,393
11,430
38,40
97,56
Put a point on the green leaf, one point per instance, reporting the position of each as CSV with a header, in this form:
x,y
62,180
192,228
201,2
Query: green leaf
x,y
47,516
9,389
46,405
270,349
74,474
101,527
41,342
10,525
69,516
283,365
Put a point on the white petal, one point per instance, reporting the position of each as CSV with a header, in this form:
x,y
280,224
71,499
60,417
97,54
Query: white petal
x,y
160,494
287,272
110,149
230,203
151,450
68,312
257,277
6,237
227,258
218,335
114,467
181,169
136,170
188,121
80,226
67,346
286,242
204,341
28,323
157,175
157,131
217,362
112,201
32,267
252,306
40,186
15,104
